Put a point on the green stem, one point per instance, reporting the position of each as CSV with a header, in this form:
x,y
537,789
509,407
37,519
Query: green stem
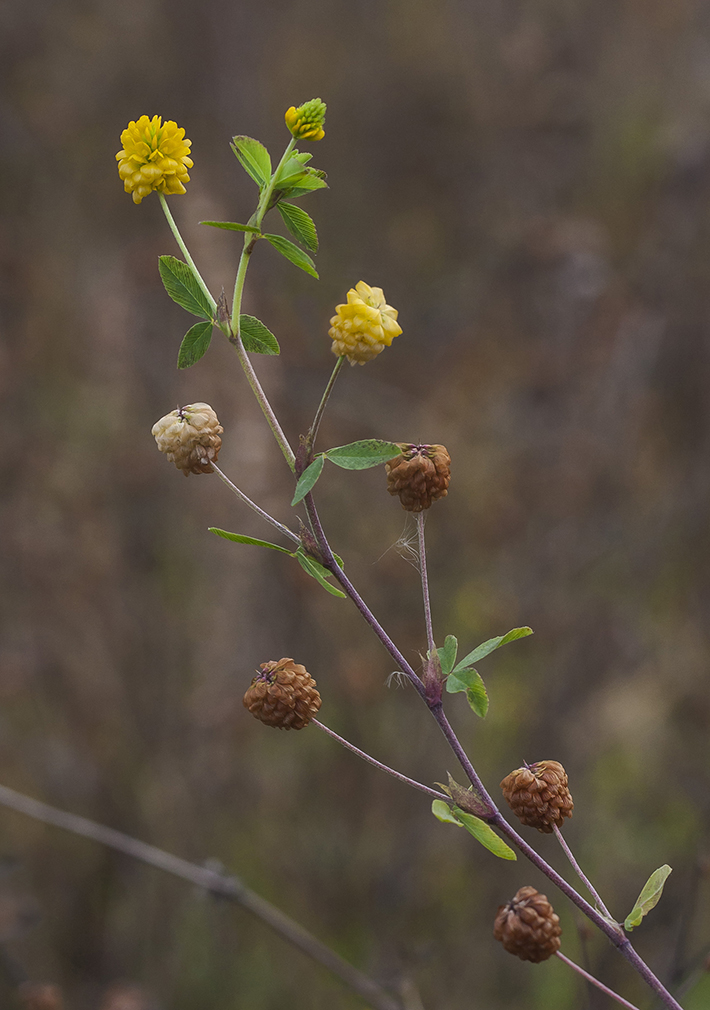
x,y
313,430
188,258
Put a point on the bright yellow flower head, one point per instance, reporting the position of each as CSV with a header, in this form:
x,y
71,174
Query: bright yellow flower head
x,y
364,326
154,156
306,122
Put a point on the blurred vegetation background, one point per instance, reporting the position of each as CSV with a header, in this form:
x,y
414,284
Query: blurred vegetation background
x,y
530,184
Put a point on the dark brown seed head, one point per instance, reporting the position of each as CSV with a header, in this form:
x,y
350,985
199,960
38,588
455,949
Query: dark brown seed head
x,y
539,795
528,926
284,694
419,475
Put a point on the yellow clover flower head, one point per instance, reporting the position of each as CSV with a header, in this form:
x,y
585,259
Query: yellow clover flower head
x,y
306,122
155,155
364,326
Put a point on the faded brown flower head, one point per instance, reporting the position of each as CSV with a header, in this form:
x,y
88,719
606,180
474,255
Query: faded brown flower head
x,y
539,795
420,475
528,926
190,437
284,695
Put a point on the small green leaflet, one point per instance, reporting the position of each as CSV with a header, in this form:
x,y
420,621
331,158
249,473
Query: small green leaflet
x,y
313,178
256,337
485,834
364,454
300,224
648,898
490,646
442,811
308,478
239,539
194,344
293,253
315,569
232,226
182,287
447,655
470,681
254,159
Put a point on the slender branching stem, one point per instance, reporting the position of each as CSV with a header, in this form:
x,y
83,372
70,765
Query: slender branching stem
x,y
252,505
578,870
596,982
425,582
313,430
265,198
434,793
229,887
185,251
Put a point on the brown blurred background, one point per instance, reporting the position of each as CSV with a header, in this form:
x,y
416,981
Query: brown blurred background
x,y
530,184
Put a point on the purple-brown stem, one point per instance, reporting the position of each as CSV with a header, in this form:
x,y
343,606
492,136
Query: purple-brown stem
x,y
425,583
434,793
578,870
596,982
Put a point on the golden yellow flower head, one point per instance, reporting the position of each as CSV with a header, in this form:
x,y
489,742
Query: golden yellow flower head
x,y
155,155
306,122
364,326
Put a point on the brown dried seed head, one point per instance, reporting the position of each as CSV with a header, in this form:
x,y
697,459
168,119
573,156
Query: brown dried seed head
x,y
284,694
528,926
419,475
539,795
190,437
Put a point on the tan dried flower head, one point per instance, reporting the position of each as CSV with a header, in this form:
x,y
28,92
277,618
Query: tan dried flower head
x,y
283,695
528,926
420,475
539,795
190,437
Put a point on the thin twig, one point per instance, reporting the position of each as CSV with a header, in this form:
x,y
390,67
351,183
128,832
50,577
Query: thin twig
x,y
378,764
313,430
425,582
596,982
252,505
185,251
228,887
578,870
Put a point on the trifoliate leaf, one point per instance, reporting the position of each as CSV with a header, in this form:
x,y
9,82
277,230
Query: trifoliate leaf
x,y
648,898
442,811
232,226
312,179
317,571
254,159
447,655
194,344
183,288
300,224
364,454
256,337
307,479
490,646
485,834
239,539
293,253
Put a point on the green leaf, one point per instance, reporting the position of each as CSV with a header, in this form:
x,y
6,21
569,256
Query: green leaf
x,y
319,573
256,337
485,834
239,539
477,697
490,646
254,159
307,479
194,344
311,179
182,287
442,811
300,224
648,898
303,156
232,226
293,253
362,455
447,655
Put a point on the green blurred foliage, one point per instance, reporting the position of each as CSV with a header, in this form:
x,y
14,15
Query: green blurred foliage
x,y
529,183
